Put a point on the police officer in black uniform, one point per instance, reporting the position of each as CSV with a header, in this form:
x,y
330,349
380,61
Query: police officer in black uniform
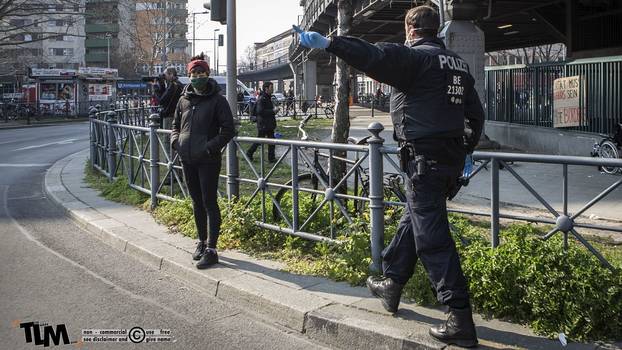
x,y
432,97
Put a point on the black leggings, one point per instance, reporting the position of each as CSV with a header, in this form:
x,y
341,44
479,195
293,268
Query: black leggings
x,y
202,182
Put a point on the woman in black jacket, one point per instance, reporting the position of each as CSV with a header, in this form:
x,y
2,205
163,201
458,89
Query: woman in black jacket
x,y
202,126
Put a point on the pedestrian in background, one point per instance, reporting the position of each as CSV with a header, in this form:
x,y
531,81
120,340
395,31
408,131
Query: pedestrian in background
x,y
432,94
170,91
266,120
202,127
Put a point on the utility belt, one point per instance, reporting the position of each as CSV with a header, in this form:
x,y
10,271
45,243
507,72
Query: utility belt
x,y
421,164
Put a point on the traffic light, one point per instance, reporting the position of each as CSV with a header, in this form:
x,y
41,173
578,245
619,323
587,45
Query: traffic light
x,y
219,11
221,40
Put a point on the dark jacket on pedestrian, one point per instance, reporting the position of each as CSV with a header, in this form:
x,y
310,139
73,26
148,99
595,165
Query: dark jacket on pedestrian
x,y
202,125
432,89
169,98
266,118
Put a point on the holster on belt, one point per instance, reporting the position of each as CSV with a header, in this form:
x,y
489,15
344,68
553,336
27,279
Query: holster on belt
x,y
420,165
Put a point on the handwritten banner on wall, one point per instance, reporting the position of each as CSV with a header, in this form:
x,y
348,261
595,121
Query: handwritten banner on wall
x,y
568,102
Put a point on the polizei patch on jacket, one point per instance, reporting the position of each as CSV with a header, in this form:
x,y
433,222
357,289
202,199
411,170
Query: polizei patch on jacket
x,y
453,63
455,89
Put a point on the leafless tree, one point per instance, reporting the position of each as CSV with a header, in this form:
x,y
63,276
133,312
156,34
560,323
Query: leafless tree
x,y
529,55
247,60
149,34
341,123
21,20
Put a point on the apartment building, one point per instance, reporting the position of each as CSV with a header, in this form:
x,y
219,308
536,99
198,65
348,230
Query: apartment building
x,y
108,31
161,35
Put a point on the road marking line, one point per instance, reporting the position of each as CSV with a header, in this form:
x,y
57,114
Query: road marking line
x,y
63,142
23,231
23,165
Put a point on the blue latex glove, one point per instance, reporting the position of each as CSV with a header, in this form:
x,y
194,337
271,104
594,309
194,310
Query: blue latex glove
x,y
468,166
312,40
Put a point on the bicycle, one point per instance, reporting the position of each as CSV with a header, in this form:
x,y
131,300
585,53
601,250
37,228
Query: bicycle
x,y
328,109
610,147
392,183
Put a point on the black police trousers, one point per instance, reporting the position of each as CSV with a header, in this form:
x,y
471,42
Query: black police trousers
x,y
423,233
202,182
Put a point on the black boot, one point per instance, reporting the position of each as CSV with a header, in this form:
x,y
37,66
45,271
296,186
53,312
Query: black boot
x,y
208,259
387,290
200,250
459,329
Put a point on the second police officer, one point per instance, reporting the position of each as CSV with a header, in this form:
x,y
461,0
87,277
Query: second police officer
x,y
432,96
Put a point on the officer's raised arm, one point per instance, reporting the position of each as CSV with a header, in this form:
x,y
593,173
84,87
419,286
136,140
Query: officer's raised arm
x,y
387,63
384,62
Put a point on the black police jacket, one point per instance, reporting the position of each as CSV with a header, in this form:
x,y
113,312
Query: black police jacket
x,y
203,125
432,89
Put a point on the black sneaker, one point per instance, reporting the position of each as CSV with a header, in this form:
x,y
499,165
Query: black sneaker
x,y
208,259
201,246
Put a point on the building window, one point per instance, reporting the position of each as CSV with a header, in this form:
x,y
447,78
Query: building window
x,y
61,52
59,23
76,8
59,8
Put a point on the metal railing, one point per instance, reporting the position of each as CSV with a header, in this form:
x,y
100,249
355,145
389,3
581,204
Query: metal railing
x,y
144,156
524,94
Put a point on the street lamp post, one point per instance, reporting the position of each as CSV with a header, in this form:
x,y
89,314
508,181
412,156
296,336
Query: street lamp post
x,y
216,50
194,30
108,36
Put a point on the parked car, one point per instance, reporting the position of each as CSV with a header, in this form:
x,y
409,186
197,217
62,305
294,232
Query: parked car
x,y
279,97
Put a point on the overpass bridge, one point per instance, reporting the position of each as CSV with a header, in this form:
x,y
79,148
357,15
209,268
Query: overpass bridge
x,y
588,28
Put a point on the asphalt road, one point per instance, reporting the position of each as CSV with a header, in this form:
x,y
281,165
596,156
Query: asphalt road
x,y
52,271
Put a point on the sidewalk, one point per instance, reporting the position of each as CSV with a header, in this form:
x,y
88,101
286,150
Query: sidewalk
x,y
329,312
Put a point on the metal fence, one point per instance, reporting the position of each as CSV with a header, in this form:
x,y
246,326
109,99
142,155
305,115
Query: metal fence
x,y
524,94
143,155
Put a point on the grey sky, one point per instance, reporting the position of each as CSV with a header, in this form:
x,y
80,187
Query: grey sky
x,y
257,20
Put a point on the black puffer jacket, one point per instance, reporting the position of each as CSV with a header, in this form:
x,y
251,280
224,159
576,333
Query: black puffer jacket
x,y
202,125
266,120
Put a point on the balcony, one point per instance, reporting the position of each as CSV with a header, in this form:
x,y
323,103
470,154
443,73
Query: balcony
x,y
102,28
177,13
93,43
96,58
180,28
179,43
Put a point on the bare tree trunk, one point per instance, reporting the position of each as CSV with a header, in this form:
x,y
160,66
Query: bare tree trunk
x,y
341,123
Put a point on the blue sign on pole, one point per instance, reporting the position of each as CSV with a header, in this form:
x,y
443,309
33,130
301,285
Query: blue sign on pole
x,y
133,85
